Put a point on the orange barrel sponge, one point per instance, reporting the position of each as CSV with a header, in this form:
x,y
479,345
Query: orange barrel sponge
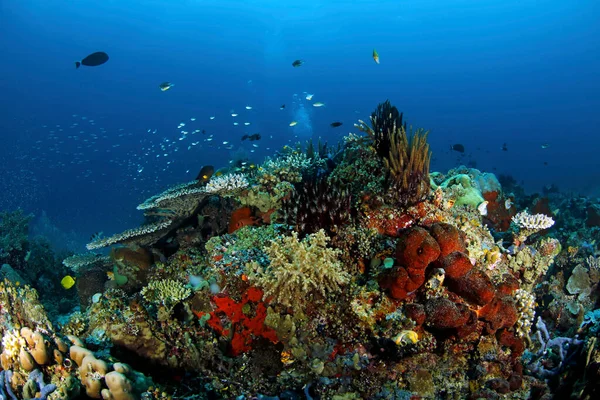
x,y
475,287
455,264
415,250
444,314
449,237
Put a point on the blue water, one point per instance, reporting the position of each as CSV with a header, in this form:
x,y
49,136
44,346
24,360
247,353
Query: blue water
x,y
87,145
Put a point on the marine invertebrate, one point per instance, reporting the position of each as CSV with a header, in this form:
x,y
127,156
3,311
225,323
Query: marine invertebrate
x,y
415,250
173,195
35,387
143,235
167,292
79,262
528,224
406,160
316,205
247,319
525,303
227,185
298,268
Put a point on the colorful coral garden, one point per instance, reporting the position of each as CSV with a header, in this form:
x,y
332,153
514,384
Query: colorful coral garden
x,y
347,272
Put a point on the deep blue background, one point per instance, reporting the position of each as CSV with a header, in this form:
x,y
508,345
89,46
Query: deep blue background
x,y
480,73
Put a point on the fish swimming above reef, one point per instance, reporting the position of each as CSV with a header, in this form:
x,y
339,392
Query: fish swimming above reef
x,y
282,107
93,60
297,63
293,123
458,147
318,104
251,138
545,146
205,173
504,147
375,56
67,282
165,86
335,124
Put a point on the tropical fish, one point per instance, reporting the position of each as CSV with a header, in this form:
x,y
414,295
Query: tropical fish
x,y
166,86
248,107
297,63
545,146
318,104
309,96
504,147
67,282
282,107
375,56
293,123
335,124
205,173
93,60
458,147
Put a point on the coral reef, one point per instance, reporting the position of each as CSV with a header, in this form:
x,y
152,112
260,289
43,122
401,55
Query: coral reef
x,y
331,272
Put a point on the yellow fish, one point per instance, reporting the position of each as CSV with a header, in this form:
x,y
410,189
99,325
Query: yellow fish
x,y
293,123
67,282
376,56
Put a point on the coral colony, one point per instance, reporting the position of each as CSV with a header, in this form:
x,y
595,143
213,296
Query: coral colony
x,y
346,272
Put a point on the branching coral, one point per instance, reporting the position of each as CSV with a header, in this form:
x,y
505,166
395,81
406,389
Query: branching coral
x,y
298,269
167,292
529,224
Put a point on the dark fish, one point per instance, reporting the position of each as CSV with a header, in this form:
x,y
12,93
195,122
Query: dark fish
x,y
335,124
252,138
297,63
282,107
204,131
504,147
205,173
458,147
93,60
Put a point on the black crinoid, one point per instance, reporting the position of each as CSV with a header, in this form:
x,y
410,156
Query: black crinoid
x,y
317,204
405,154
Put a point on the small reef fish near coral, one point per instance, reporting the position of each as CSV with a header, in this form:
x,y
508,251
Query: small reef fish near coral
x,y
309,258
292,279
